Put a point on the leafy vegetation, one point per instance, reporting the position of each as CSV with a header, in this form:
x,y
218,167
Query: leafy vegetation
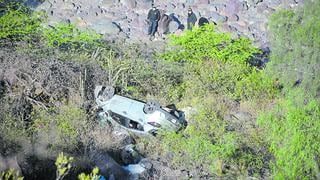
x,y
293,130
92,176
68,37
65,128
64,165
206,43
293,125
204,143
10,175
219,63
295,47
20,24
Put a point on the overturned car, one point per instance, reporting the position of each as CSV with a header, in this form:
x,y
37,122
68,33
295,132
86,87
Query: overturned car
x,y
140,118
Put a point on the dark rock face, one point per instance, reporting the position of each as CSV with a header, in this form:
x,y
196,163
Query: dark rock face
x,y
108,166
34,167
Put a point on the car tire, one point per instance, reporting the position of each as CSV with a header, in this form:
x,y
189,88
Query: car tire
x,y
150,107
106,93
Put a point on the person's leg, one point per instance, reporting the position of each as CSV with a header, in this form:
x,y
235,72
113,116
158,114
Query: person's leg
x,y
189,26
150,28
154,27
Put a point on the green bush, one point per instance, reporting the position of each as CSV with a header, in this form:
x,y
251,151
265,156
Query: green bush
x,y
204,143
256,85
293,128
206,43
238,81
218,64
295,44
64,165
68,37
94,175
10,174
20,24
65,127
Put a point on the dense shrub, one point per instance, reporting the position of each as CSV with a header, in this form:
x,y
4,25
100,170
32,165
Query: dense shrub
x,y
217,63
238,81
295,47
293,130
69,37
20,24
63,128
205,143
209,146
13,134
292,126
206,43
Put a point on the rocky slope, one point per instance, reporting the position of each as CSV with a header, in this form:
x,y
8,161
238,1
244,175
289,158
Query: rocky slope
x,y
127,18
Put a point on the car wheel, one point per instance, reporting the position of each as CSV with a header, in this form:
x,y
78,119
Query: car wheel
x,y
106,93
150,107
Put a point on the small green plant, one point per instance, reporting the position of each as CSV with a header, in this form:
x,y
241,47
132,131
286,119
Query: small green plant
x,y
94,175
64,165
10,174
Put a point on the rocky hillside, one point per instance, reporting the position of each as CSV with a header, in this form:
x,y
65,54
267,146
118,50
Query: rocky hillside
x,y
127,18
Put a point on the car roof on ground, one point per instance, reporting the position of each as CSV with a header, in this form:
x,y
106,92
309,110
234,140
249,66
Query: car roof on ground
x,y
125,106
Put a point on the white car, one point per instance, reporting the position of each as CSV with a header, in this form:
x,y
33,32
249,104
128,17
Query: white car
x,y
136,116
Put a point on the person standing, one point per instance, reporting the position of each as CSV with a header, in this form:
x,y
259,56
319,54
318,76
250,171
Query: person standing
x,y
192,19
153,18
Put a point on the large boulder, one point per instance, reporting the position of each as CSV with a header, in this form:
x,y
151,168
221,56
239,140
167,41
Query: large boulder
x,y
217,18
129,3
105,26
144,4
129,155
107,166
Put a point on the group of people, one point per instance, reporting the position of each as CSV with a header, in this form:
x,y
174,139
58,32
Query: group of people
x,y
154,16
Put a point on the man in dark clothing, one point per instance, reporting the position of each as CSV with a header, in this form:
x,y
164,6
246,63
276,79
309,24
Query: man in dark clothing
x,y
192,19
175,19
153,17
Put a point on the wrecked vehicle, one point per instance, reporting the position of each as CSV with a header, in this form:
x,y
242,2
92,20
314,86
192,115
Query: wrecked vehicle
x,y
140,118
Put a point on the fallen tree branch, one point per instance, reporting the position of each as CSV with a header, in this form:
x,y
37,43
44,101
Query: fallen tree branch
x,y
37,102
